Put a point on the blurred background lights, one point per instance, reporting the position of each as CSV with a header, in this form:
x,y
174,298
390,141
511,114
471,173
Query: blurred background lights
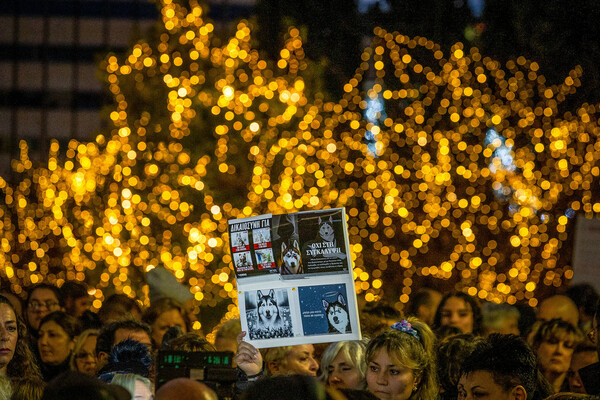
x,y
455,171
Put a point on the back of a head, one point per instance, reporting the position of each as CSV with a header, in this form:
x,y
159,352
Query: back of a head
x,y
289,387
73,290
129,357
28,388
106,337
584,296
229,329
495,316
451,352
508,358
190,342
117,305
185,389
559,306
74,385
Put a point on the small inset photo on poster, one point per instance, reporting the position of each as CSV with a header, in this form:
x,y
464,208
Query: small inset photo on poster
x,y
240,241
268,314
324,309
323,241
243,261
265,258
286,247
261,238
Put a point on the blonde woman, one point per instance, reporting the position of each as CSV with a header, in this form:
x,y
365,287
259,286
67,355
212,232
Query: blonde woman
x,y
83,358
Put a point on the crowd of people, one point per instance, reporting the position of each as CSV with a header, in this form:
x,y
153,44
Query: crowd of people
x,y
442,346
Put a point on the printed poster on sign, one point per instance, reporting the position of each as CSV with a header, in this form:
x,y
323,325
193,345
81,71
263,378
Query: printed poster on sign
x,y
250,243
308,295
268,314
324,309
322,234
286,244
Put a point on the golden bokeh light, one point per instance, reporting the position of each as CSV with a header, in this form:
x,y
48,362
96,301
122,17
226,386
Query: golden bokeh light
x,y
467,174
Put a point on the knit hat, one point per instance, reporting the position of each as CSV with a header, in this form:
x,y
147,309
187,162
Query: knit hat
x,y
163,283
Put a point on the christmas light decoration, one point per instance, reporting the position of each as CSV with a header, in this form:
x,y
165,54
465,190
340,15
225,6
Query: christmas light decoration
x,y
471,176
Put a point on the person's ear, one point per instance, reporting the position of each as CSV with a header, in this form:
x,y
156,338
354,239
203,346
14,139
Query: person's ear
x,y
102,356
417,381
518,393
274,367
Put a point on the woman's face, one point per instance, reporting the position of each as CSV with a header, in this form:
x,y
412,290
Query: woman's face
x,y
342,374
142,392
456,312
54,343
9,335
164,322
85,358
554,354
41,303
387,380
301,361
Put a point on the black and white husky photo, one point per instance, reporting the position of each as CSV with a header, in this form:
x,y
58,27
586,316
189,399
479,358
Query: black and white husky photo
x,y
268,311
268,314
326,230
337,315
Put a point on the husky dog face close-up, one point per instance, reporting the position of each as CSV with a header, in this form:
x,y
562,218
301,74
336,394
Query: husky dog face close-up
x,y
337,315
268,310
326,231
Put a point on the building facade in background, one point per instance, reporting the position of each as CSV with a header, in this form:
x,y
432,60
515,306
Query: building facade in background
x,y
50,50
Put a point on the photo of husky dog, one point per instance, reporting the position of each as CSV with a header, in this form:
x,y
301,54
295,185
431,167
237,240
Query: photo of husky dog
x,y
326,231
290,263
268,311
337,315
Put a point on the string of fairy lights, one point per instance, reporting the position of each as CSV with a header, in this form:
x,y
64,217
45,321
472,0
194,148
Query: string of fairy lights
x,y
467,177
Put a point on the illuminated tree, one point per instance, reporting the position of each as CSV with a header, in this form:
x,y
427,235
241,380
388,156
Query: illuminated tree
x,y
452,168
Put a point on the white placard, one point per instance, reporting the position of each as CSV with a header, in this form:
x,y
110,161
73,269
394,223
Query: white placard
x,y
294,278
586,253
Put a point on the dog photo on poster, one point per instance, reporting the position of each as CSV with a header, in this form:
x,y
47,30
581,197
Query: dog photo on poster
x,y
323,241
250,243
268,314
286,244
324,309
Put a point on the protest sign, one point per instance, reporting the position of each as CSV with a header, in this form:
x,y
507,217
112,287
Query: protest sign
x,y
294,278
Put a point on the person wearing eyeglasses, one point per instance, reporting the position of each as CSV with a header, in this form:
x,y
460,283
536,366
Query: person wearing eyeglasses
x,y
41,301
83,357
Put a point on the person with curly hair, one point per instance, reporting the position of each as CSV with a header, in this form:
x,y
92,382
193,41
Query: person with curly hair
x,y
400,363
16,358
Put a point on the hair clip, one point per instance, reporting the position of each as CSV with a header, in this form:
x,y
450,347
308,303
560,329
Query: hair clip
x,y
405,326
